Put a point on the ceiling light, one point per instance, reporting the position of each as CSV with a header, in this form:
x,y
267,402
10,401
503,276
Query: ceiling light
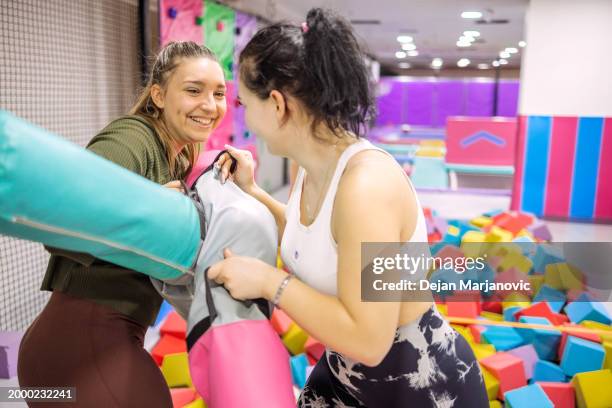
x,y
503,62
483,66
413,53
463,44
522,44
436,63
404,65
463,62
400,54
511,50
495,63
471,33
404,39
466,39
408,47
504,54
471,14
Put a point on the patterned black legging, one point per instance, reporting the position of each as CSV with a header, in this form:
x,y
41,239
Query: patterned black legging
x,y
429,365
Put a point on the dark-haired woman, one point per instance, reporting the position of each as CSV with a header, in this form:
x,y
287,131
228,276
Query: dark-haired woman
x,y
306,94
90,334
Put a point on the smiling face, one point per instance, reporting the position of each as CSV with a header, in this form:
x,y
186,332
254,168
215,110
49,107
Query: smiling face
x,y
192,100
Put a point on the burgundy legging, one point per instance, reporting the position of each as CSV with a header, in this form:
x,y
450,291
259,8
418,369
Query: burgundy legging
x,y
78,343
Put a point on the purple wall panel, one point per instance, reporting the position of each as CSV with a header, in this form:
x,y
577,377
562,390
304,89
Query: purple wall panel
x,y
450,101
389,102
419,103
479,99
507,100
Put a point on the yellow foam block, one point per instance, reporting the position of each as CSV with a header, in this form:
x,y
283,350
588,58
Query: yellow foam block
x,y
432,143
295,339
518,261
198,403
593,389
525,233
516,299
483,350
497,234
552,276
608,361
491,383
503,249
570,276
599,326
492,316
495,404
473,244
465,332
481,221
452,230
536,282
175,369
442,309
427,151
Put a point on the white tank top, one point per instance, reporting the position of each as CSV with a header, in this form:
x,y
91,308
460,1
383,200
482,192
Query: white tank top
x,y
310,252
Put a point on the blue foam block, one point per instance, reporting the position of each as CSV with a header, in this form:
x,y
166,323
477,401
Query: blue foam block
x,y
555,298
528,396
585,309
164,310
546,254
545,342
503,338
299,364
581,355
509,313
547,371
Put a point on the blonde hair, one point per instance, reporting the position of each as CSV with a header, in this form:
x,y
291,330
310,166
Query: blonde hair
x,y
166,61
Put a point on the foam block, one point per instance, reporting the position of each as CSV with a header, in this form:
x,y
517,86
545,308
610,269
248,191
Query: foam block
x,y
561,394
584,309
295,339
605,329
174,325
495,404
497,234
280,321
593,389
182,396
540,231
608,361
175,369
509,313
9,348
546,254
542,309
298,369
517,261
493,307
314,348
463,309
528,354
528,396
503,338
482,351
564,335
581,355
547,371
536,282
167,345
197,403
508,370
545,341
491,383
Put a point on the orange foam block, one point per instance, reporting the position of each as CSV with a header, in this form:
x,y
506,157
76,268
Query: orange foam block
x,y
168,344
562,395
508,370
314,349
174,325
182,396
280,321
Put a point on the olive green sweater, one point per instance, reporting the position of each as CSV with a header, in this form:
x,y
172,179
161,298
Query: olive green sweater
x,y
131,143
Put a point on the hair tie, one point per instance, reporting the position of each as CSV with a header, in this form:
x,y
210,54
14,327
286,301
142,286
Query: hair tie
x,y
304,27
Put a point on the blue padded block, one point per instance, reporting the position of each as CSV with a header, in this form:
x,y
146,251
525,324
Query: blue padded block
x,y
298,369
509,313
503,338
545,342
547,371
581,355
528,396
164,310
546,254
555,298
585,309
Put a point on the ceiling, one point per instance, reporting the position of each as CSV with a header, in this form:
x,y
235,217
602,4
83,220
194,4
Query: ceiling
x,y
435,26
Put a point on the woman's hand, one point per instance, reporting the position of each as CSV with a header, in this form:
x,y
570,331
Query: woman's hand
x,y
176,186
246,278
244,175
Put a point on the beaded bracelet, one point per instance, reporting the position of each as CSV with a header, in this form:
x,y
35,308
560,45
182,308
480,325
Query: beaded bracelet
x,y
280,289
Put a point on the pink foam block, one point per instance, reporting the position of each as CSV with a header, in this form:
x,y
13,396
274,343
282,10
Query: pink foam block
x,y
508,369
174,325
542,309
529,356
562,395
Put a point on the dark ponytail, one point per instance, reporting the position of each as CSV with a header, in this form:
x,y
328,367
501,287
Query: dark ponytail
x,y
320,63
